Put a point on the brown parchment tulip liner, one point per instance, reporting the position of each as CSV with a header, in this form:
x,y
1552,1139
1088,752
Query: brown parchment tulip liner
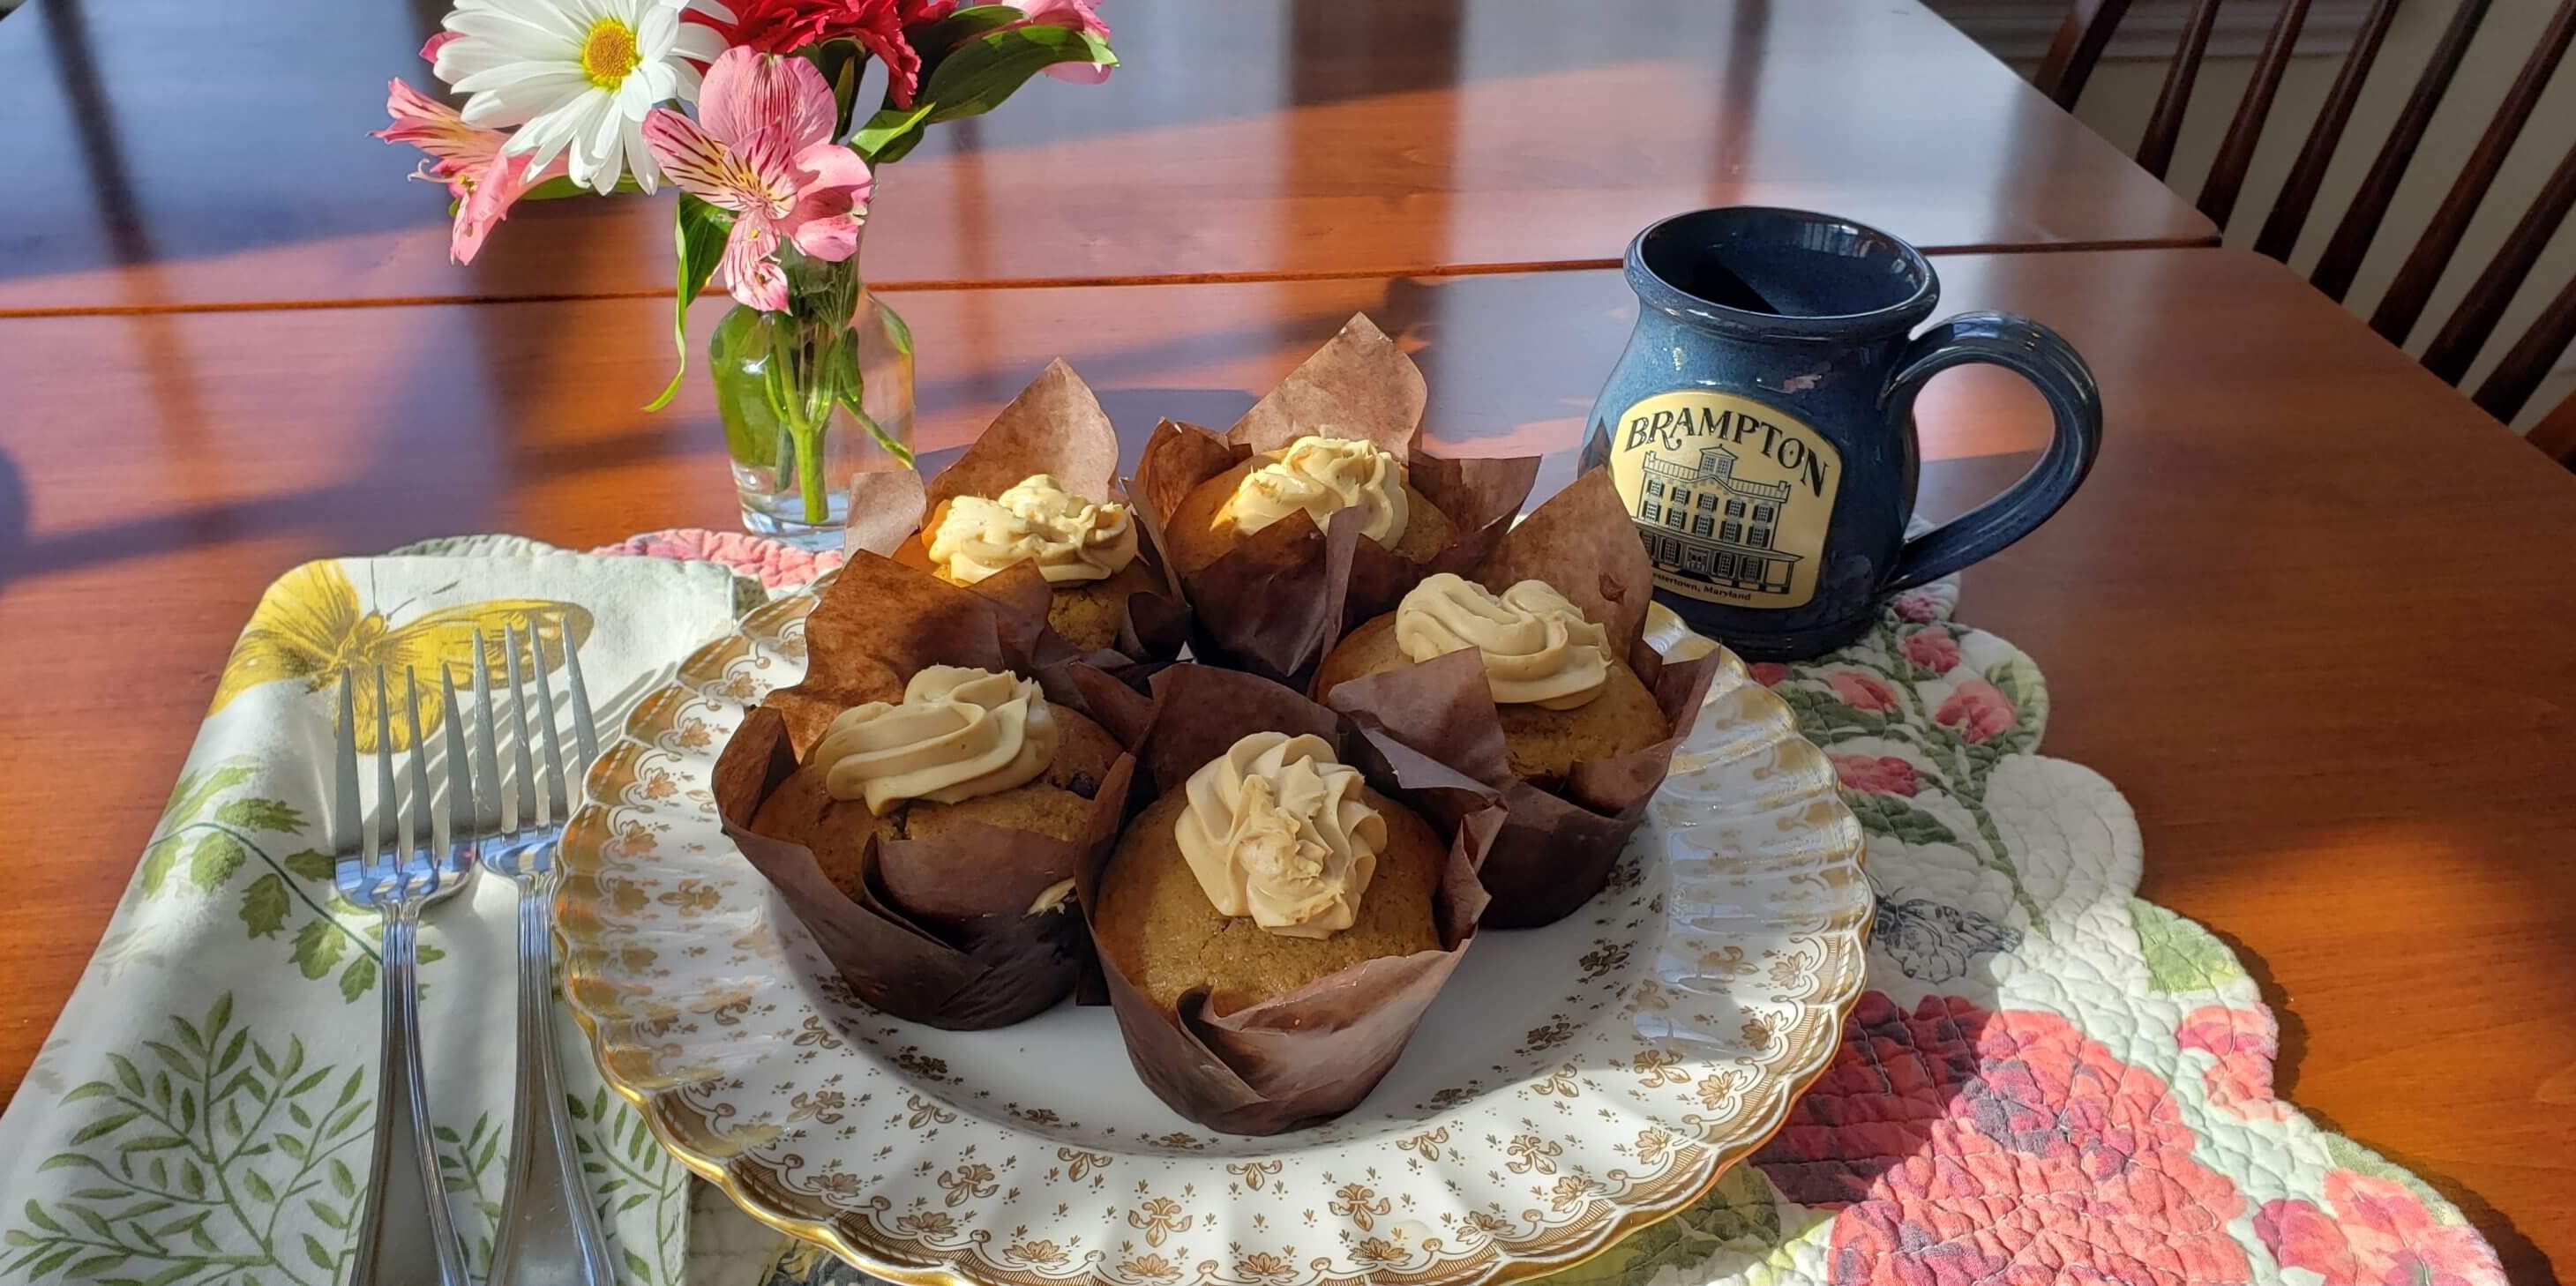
x,y
1316,1052
1562,837
1055,426
1277,601
940,933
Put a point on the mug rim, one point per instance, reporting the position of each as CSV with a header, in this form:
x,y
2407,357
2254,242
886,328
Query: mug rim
x,y
1896,318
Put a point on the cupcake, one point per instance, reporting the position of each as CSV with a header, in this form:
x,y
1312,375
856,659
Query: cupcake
x,y
1272,926
1317,508
1318,476
1559,693
1531,677
1037,489
922,805
1274,866
964,747
1086,549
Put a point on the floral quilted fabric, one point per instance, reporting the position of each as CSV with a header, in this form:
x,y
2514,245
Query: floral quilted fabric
x,y
2049,1079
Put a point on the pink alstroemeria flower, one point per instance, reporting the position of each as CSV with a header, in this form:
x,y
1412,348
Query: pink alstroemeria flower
x,y
762,149
467,158
1072,15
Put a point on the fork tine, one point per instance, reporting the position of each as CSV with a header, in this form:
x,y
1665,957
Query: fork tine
x,y
585,737
420,821
388,801
346,811
460,773
555,808
526,798
494,815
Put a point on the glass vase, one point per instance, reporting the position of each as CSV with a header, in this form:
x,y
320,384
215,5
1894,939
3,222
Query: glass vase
x,y
810,398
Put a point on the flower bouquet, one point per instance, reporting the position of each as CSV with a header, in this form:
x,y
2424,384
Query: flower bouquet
x,y
751,111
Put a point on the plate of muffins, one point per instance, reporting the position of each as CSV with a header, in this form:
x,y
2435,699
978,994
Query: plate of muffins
x,y
1287,864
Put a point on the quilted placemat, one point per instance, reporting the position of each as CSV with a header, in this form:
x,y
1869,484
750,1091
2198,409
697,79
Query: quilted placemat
x,y
2049,1079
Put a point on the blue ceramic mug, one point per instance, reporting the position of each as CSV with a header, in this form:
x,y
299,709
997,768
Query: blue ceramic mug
x,y
1760,424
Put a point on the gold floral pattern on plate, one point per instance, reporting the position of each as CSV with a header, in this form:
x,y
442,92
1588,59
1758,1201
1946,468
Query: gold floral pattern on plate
x,y
1573,1083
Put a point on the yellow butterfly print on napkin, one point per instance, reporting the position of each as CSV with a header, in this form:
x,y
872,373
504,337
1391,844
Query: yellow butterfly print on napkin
x,y
310,626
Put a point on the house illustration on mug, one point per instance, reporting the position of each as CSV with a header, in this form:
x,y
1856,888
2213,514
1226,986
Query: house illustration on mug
x,y
1702,522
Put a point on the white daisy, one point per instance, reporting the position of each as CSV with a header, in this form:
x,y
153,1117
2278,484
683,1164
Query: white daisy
x,y
577,76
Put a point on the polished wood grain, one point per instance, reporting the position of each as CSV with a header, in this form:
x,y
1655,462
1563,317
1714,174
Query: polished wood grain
x,y
2329,669
179,152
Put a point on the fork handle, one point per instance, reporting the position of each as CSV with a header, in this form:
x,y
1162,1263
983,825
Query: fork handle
x,y
406,1236
549,1235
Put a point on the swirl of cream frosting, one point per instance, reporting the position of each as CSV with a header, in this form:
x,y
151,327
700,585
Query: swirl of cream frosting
x,y
1070,538
958,733
1276,830
1538,648
1320,477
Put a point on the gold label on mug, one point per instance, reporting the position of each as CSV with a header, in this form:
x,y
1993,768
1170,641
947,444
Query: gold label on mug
x,y
1732,497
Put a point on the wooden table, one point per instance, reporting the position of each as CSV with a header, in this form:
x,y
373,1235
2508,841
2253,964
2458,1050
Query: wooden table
x,y
2309,614
172,154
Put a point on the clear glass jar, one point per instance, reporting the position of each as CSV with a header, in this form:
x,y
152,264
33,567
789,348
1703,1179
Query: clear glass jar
x,y
811,397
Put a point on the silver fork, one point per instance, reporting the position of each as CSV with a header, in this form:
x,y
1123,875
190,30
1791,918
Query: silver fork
x,y
405,1234
548,1232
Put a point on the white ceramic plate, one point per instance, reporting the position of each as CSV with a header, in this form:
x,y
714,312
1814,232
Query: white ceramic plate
x,y
1570,1085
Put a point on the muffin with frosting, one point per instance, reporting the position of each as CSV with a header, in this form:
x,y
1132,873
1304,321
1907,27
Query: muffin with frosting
x,y
1319,508
1272,925
1560,694
1275,865
964,747
1532,677
922,804
1084,547
1032,513
1318,476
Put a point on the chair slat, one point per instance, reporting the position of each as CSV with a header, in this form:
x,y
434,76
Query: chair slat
x,y
2164,124
2404,302
2077,49
2528,361
2360,225
2556,434
2298,196
2226,179
2474,321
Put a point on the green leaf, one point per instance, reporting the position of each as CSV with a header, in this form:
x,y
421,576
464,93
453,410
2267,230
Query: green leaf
x,y
194,790
291,1146
57,1259
153,1143
71,1160
92,1220
342,1181
259,1187
635,1264
888,125
192,1180
233,1051
561,186
102,1127
261,815
94,1089
310,865
126,1074
698,235
328,1215
318,946
974,77
314,1251
158,857
2181,956
358,979
429,954
94,1266
214,859
20,1237
265,906
1891,815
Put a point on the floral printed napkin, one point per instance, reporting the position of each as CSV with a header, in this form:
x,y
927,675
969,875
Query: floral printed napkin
x,y
203,1112
2049,1080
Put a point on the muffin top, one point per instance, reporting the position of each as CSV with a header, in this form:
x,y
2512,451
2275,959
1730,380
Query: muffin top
x,y
958,733
1321,476
1072,539
1276,829
1537,647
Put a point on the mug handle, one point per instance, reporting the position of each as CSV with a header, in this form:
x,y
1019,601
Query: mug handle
x,y
2039,355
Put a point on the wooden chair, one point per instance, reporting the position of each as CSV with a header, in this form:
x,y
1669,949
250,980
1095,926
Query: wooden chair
x,y
2087,31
